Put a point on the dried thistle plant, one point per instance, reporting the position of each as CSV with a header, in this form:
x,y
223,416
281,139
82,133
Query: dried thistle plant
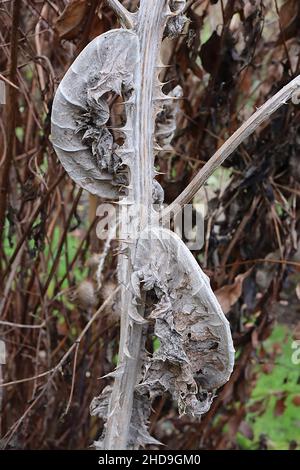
x,y
160,282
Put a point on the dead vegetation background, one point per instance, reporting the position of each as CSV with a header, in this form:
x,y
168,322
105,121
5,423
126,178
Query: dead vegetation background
x,y
232,57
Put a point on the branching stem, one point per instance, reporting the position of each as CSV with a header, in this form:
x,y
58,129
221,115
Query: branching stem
x,y
261,115
123,14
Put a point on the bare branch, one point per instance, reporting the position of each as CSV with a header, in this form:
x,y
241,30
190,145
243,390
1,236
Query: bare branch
x,y
291,90
55,369
21,325
26,379
11,113
73,380
4,79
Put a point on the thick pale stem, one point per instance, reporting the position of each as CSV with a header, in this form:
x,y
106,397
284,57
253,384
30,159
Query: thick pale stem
x,y
151,21
125,16
261,115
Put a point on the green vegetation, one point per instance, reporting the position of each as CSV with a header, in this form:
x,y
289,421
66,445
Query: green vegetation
x,y
271,411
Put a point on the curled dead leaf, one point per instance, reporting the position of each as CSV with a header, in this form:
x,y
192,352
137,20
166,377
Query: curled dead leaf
x,y
229,295
288,12
289,17
72,19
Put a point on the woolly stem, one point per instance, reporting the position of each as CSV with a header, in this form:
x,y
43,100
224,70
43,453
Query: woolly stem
x,y
124,15
151,22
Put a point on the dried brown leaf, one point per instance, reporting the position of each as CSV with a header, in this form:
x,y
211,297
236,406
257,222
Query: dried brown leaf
x,y
72,19
229,295
289,16
288,12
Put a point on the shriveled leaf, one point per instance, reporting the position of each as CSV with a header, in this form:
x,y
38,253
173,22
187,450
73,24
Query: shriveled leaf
x,y
196,353
138,432
80,112
289,17
229,295
166,120
288,12
72,19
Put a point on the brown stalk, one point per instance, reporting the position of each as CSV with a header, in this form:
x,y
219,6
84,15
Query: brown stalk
x,y
10,113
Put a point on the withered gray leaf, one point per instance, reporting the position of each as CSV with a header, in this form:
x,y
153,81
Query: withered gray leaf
x,y
80,111
196,353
